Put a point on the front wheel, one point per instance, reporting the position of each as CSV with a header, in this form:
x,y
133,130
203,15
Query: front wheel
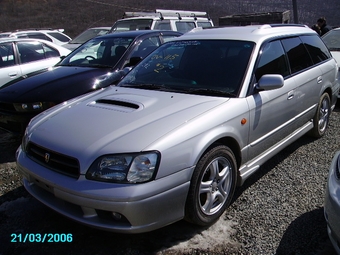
x,y
321,118
212,186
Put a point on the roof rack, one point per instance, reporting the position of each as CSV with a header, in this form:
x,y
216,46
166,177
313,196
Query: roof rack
x,y
161,13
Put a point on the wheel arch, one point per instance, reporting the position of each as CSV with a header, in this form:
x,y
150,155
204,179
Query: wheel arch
x,y
232,144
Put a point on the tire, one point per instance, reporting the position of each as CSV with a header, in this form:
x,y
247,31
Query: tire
x,y
321,118
212,186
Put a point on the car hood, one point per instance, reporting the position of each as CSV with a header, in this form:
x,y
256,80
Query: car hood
x,y
116,120
58,84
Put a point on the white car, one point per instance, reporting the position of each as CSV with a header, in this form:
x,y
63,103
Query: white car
x,y
22,56
56,36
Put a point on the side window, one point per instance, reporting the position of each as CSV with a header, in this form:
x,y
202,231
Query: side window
x,y
50,52
298,56
203,24
184,27
30,51
162,25
7,57
39,36
272,60
316,48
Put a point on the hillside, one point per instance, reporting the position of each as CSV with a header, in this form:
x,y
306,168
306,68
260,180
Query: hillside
x,y
77,15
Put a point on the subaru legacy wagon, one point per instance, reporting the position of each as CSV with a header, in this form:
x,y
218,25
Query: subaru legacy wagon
x,y
185,127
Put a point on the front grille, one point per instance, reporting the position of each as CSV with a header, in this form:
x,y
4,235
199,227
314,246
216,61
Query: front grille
x,y
53,160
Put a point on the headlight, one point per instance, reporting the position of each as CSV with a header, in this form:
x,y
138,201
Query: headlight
x,y
33,107
125,168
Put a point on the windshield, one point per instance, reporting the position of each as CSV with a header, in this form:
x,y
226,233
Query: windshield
x,y
206,67
332,39
133,24
98,52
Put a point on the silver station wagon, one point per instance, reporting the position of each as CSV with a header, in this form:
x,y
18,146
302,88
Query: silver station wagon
x,y
185,127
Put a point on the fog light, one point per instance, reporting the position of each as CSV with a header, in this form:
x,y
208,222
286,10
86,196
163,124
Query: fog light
x,y
116,216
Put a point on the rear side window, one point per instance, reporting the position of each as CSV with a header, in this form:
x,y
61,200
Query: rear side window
x,y
184,26
272,60
162,25
316,48
203,24
298,56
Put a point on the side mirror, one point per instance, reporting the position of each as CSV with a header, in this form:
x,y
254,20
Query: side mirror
x,y
270,82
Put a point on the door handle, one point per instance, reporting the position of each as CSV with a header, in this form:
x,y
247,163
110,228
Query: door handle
x,y
290,95
12,75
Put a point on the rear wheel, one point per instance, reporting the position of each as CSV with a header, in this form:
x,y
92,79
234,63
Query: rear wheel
x,y
212,186
321,118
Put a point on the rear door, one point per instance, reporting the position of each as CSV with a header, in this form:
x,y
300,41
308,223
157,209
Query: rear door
x,y
307,76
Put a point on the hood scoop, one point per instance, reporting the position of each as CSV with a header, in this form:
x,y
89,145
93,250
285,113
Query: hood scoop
x,y
116,105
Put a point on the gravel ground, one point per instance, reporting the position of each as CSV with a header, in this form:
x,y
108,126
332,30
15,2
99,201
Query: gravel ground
x,y
279,210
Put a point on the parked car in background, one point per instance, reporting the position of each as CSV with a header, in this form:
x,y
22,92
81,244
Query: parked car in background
x,y
332,202
187,124
85,36
80,72
53,35
182,21
332,41
19,56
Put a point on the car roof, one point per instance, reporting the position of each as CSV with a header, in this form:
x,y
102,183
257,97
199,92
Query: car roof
x,y
254,33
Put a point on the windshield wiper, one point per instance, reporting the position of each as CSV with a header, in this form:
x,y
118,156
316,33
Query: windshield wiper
x,y
210,92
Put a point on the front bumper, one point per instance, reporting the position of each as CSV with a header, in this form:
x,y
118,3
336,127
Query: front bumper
x,y
332,205
123,208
